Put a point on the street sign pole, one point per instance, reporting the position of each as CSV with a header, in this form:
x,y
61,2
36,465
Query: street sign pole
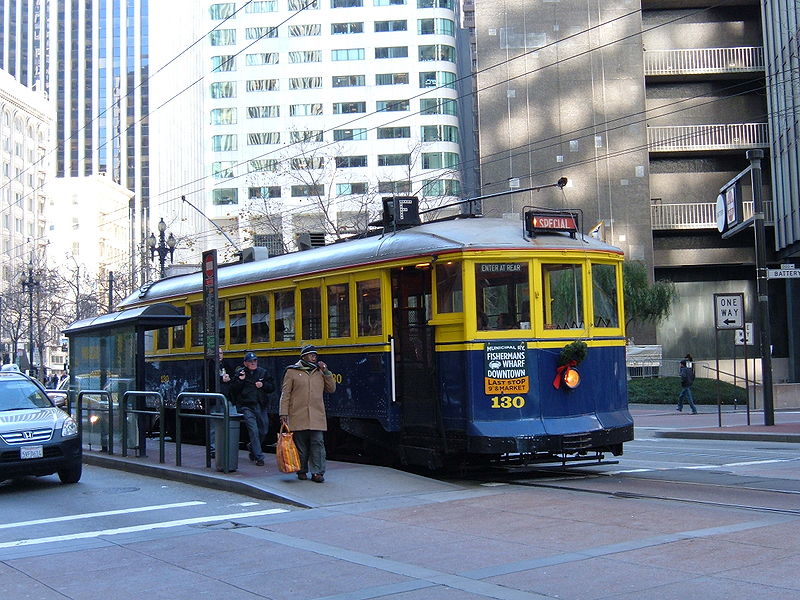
x,y
755,156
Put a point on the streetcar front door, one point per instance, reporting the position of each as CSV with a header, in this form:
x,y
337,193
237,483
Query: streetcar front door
x,y
413,349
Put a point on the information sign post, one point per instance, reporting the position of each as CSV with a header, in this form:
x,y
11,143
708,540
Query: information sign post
x,y
728,314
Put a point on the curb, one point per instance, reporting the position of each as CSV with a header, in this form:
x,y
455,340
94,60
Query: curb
x,y
191,477
737,436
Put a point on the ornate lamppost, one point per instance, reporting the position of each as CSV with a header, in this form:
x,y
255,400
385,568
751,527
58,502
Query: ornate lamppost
x,y
163,247
29,284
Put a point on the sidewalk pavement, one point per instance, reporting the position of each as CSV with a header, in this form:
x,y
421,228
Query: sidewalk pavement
x,y
347,482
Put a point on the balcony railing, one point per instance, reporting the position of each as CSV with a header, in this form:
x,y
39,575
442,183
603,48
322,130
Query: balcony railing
x,y
704,61
727,136
697,215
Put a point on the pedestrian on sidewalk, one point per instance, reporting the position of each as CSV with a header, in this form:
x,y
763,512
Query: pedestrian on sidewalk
x,y
249,387
302,408
687,379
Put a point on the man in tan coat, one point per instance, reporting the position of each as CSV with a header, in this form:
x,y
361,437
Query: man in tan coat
x,y
303,409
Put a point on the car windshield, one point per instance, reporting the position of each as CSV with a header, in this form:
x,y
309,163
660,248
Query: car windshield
x,y
19,394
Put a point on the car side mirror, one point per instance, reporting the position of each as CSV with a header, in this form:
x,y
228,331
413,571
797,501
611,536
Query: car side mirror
x,y
59,398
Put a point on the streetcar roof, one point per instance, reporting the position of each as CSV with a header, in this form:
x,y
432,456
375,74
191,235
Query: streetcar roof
x,y
485,233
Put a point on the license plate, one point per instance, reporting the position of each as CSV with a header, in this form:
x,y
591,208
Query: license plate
x,y
31,452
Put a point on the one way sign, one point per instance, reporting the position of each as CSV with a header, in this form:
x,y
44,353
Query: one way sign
x,y
728,311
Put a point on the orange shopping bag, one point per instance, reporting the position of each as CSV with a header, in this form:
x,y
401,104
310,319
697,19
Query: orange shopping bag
x,y
286,451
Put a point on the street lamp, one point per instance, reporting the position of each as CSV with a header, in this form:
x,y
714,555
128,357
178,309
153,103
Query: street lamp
x,y
163,247
29,284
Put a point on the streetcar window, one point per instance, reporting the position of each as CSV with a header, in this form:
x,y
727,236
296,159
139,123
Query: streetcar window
x,y
339,310
179,336
311,305
502,296
221,322
162,339
563,296
604,295
259,319
237,320
284,316
369,307
449,295
196,312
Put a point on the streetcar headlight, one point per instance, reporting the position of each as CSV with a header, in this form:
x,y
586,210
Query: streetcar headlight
x,y
572,378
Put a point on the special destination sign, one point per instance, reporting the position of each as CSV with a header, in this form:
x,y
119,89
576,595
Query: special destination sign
x,y
506,368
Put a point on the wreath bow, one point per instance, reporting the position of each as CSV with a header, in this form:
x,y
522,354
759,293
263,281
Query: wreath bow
x,y
560,373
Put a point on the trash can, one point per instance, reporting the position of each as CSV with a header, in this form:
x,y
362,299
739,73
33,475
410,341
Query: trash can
x,y
228,456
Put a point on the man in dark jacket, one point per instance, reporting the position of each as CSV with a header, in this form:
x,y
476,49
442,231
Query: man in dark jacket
x,y
687,379
249,388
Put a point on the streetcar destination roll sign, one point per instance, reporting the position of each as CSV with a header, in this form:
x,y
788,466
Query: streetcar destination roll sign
x,y
506,368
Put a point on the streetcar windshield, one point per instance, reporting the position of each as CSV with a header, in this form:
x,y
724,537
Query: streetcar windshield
x,y
563,296
502,296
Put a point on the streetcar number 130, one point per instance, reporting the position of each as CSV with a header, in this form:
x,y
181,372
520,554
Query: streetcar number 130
x,y
508,401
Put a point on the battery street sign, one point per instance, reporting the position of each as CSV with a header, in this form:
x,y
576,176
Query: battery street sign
x,y
729,311
783,273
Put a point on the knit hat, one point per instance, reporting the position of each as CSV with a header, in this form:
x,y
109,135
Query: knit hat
x,y
248,356
307,349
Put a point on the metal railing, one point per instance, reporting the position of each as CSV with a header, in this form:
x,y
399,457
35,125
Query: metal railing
x,y
160,413
697,215
107,425
226,416
704,61
720,136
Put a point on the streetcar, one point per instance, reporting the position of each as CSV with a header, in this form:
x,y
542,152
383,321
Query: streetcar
x,y
461,340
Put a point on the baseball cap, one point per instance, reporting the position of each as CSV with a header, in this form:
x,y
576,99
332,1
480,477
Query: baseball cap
x,y
248,356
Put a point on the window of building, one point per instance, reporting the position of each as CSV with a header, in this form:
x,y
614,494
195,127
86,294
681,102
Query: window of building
x,y
441,187
440,160
308,29
346,3
604,295
257,33
262,58
299,191
259,318
435,26
224,143
388,2
450,4
341,108
368,303
221,11
347,54
272,191
284,316
344,28
223,37
305,83
306,163
343,135
305,56
440,133
311,306
350,189
305,110
304,4
394,187
437,79
306,135
437,52
562,297
438,106
262,85
223,89
502,295
223,63
347,162
397,25
223,169
449,290
392,105
387,133
263,112
391,52
237,320
391,79
225,196
348,81
262,6
394,160
264,164
223,116
339,310
264,137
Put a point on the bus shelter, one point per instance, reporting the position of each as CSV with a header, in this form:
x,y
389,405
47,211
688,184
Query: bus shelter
x,y
108,353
